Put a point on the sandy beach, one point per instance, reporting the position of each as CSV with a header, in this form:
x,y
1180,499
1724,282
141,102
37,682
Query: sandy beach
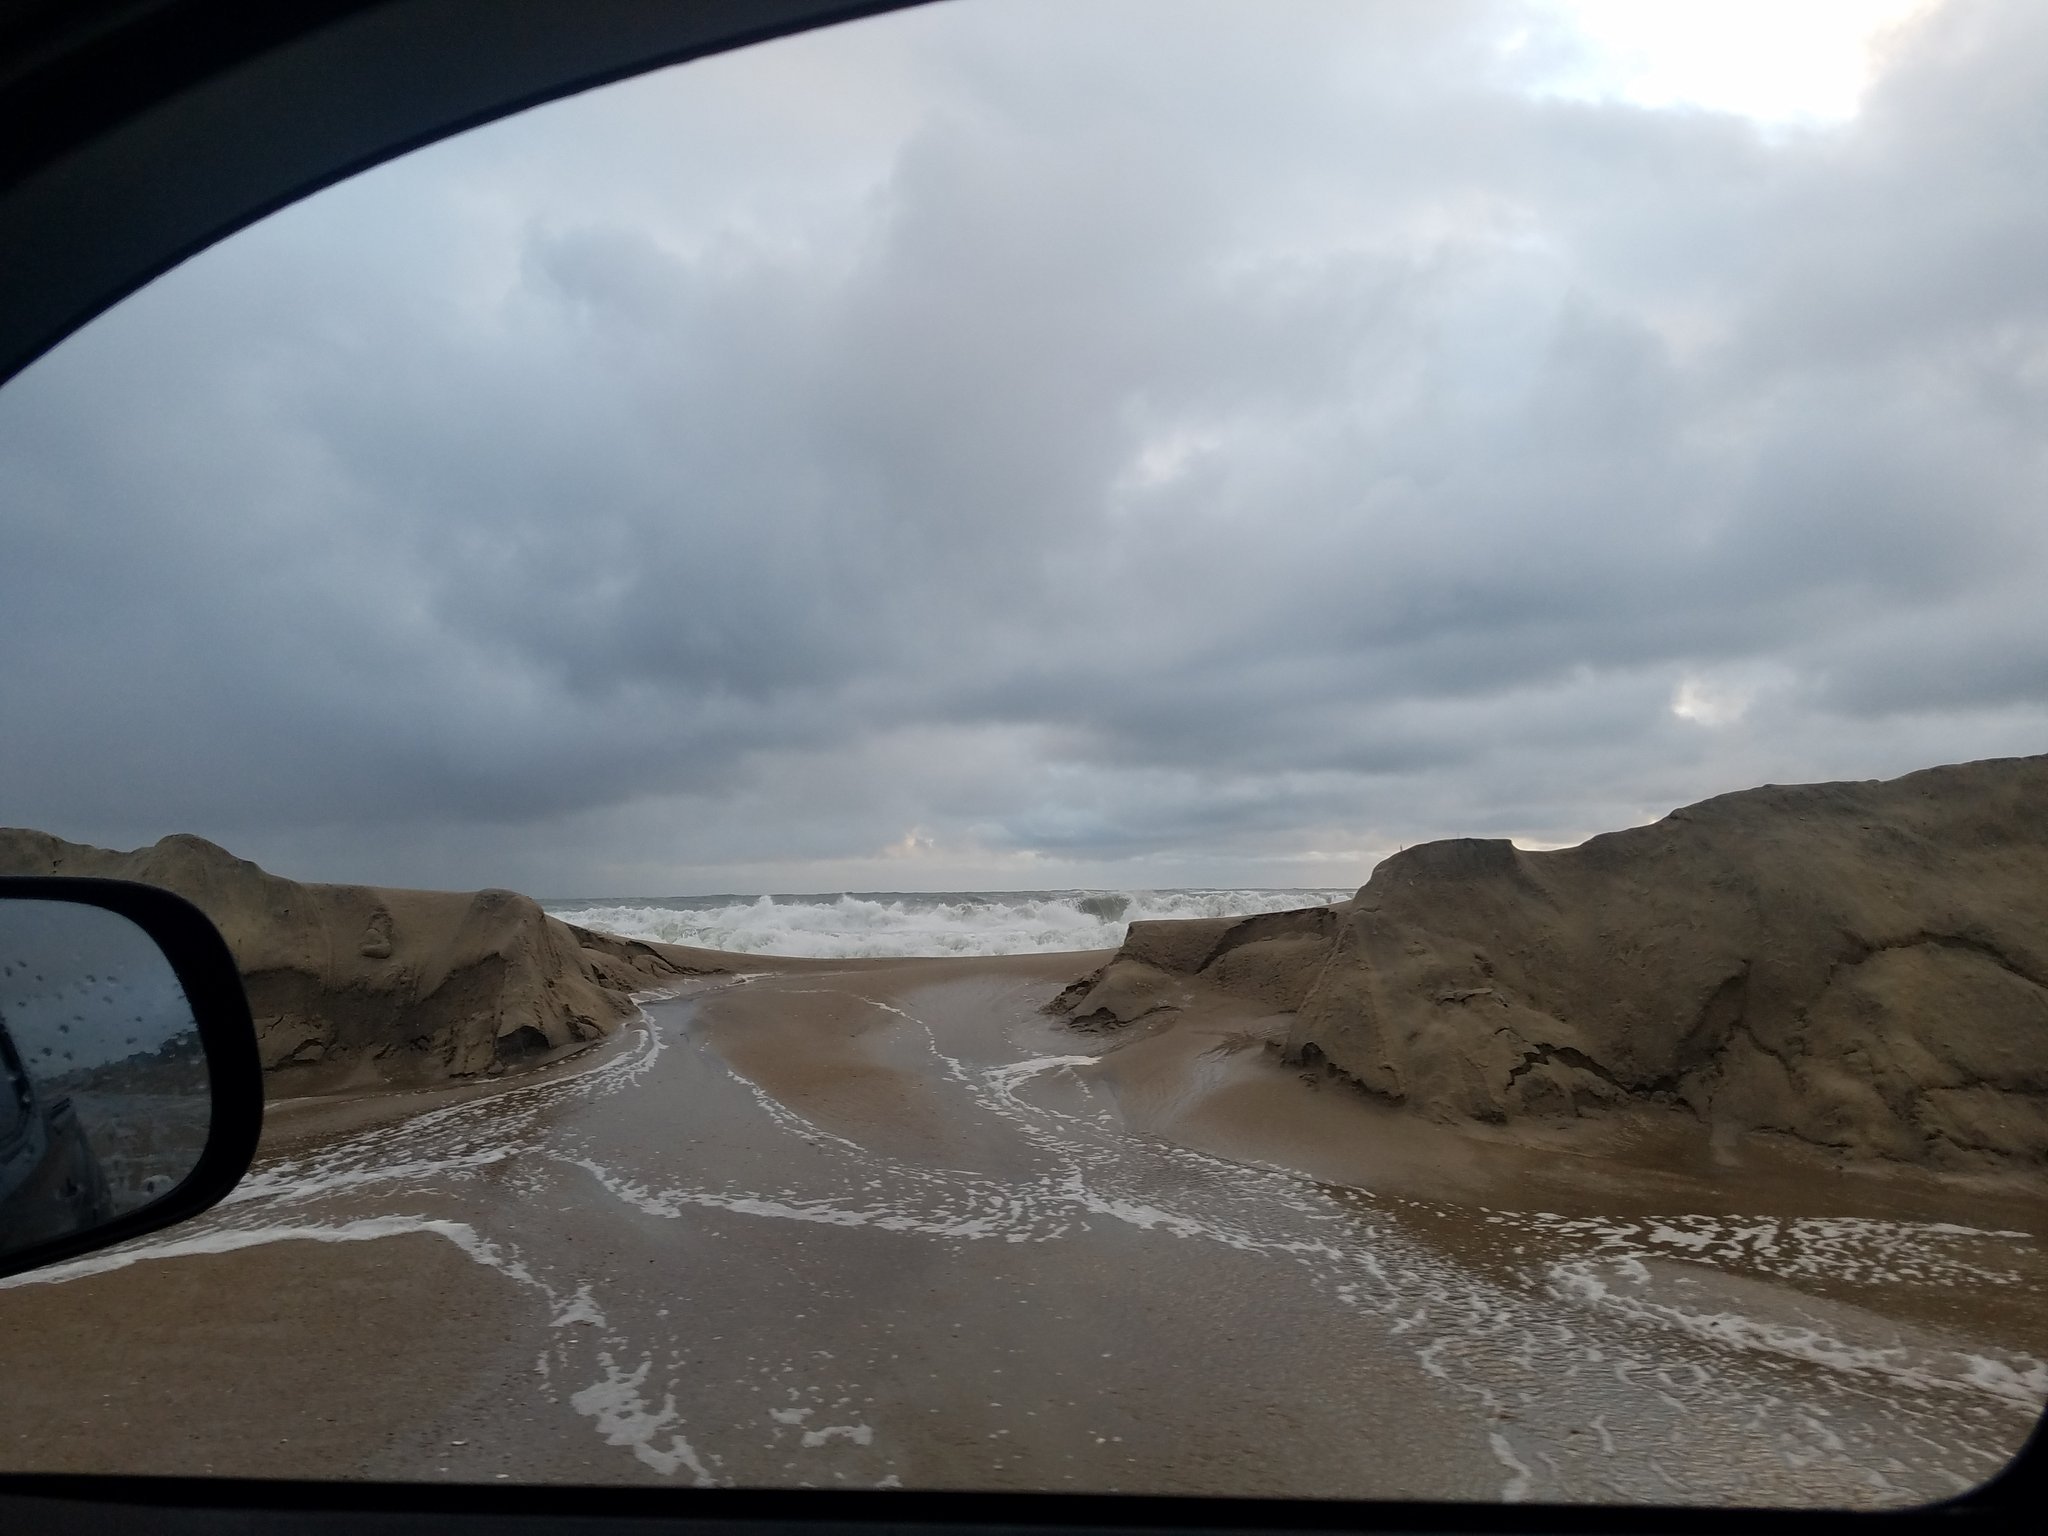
x,y
889,1224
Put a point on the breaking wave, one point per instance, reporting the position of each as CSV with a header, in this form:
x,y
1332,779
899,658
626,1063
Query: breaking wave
x,y
851,925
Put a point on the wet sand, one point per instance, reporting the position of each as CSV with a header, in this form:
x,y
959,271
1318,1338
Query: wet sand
x,y
887,1225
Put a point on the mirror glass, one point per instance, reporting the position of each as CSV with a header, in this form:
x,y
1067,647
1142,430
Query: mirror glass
x,y
104,1102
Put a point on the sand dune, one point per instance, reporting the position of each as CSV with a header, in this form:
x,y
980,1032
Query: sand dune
x,y
362,986
1862,967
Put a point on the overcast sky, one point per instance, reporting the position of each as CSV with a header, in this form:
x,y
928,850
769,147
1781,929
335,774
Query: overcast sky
x,y
1015,444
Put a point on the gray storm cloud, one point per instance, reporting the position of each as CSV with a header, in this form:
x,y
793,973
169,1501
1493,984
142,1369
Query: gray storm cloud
x,y
1139,443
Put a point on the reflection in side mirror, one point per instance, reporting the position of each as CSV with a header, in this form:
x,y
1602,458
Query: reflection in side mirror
x,y
129,1095
104,1104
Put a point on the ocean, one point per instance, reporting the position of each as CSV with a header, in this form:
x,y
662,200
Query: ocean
x,y
849,924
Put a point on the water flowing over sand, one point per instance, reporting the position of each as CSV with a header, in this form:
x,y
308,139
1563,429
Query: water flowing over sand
x,y
893,1227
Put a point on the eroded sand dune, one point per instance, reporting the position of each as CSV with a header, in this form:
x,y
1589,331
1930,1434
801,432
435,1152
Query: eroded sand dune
x,y
355,985
1860,966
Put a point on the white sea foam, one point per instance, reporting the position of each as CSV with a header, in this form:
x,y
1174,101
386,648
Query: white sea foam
x,y
1516,1489
850,926
859,1434
626,1418
1624,1288
234,1239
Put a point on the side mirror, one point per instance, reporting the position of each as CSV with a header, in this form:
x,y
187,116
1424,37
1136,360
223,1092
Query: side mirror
x,y
131,1096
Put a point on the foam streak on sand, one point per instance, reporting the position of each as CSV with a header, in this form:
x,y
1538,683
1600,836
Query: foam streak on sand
x,y
1624,1287
1516,1488
624,1418
229,1240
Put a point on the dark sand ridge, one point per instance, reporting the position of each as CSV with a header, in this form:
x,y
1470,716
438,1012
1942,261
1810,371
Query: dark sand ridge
x,y
357,986
1858,968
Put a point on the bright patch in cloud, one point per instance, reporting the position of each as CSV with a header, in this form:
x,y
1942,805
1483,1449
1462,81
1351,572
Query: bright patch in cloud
x,y
1164,459
1774,60
1710,704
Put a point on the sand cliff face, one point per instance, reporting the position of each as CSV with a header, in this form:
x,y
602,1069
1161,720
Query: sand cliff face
x,y
359,985
1271,961
1860,966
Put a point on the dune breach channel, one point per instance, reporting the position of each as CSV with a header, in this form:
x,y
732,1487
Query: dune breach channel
x,y
890,1224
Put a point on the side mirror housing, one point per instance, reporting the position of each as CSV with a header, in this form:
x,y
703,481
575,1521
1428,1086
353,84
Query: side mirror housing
x,y
131,1096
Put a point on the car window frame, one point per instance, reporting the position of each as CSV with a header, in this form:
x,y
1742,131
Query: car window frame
x,y
140,132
